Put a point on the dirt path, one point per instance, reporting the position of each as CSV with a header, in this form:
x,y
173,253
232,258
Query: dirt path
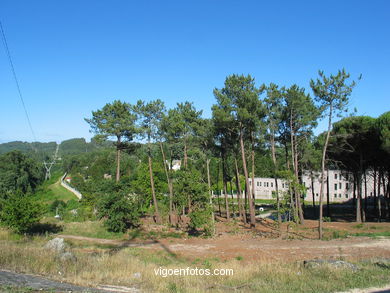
x,y
230,246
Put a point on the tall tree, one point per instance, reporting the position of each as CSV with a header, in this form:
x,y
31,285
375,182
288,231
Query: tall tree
x,y
150,115
332,93
114,120
181,124
300,114
239,97
274,109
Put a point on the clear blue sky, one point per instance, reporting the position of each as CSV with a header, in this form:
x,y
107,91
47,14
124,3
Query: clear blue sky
x,y
72,57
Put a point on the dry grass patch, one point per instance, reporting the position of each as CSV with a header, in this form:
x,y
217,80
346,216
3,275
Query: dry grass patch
x,y
122,267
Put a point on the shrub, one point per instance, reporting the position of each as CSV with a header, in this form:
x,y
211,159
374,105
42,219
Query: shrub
x,y
20,213
119,211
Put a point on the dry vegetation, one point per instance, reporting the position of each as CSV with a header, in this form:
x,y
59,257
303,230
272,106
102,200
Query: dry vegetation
x,y
99,264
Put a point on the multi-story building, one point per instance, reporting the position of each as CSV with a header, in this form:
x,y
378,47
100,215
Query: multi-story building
x,y
340,185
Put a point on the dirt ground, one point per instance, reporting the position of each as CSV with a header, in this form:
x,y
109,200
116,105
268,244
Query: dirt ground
x,y
267,244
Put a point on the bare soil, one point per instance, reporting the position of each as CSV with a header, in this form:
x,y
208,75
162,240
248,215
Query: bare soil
x,y
267,243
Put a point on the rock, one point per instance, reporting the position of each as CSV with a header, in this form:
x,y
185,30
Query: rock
x,y
67,257
57,244
74,212
137,275
340,264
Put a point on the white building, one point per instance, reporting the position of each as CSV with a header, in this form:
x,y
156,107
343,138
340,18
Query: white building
x,y
340,186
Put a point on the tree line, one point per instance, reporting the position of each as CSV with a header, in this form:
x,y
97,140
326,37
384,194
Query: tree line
x,y
254,131
248,121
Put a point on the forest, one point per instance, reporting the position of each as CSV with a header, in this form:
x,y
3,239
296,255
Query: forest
x,y
126,172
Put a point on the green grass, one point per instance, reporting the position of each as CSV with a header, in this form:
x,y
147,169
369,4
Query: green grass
x,y
94,229
52,190
373,234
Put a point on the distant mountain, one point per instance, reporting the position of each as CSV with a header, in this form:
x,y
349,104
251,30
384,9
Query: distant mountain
x,y
41,150
28,147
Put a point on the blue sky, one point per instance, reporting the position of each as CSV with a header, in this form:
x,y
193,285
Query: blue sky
x,y
72,57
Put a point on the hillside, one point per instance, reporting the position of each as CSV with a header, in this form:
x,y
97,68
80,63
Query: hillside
x,y
72,146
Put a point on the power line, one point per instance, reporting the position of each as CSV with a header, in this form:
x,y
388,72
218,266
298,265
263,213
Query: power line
x,y
16,79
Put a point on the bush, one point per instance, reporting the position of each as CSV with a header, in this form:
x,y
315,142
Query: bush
x,y
57,204
119,211
20,213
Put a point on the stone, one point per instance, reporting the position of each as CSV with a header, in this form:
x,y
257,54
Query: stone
x,y
137,275
57,244
340,264
67,257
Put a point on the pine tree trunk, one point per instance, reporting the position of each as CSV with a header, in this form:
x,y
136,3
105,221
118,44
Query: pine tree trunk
x,y
185,154
170,187
298,194
312,192
273,153
226,199
210,194
118,160
158,217
365,197
327,195
379,197
232,205
239,194
251,208
323,170
253,176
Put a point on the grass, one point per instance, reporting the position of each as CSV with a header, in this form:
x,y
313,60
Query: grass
x,y
120,267
94,229
52,190
373,234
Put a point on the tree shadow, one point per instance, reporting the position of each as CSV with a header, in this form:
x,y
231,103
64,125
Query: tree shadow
x,y
44,228
132,243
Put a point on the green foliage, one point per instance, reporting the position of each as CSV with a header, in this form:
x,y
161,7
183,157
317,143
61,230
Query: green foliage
x,y
201,219
119,211
19,173
19,213
333,92
115,120
383,129
189,187
57,205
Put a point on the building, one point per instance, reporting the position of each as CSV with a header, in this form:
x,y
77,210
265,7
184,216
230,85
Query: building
x,y
176,165
340,186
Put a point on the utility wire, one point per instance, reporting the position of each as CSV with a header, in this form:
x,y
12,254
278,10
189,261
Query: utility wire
x,y
16,79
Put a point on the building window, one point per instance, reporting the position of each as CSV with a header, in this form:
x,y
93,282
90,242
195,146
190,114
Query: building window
x,y
335,186
335,175
340,195
258,183
267,184
340,184
272,184
347,186
346,196
317,194
335,195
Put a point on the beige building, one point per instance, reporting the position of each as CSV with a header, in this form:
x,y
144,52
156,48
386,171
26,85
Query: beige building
x,y
340,186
